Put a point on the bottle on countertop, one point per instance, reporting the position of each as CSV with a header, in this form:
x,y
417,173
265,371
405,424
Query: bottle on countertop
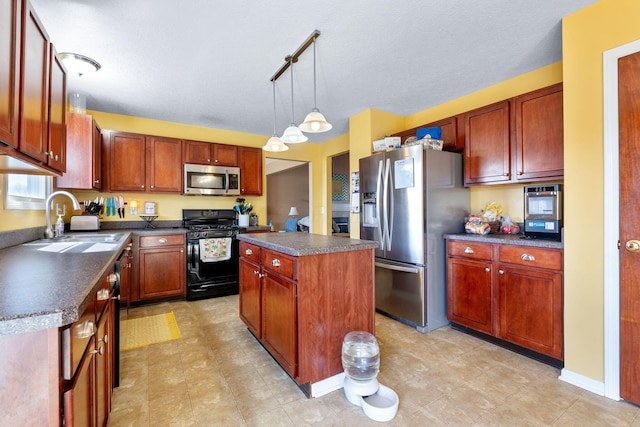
x,y
59,226
271,224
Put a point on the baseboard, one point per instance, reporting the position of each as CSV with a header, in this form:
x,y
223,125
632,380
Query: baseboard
x,y
327,385
581,381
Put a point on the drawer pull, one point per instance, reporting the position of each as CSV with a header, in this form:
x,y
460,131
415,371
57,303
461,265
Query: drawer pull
x,y
248,252
85,329
256,273
527,257
103,294
99,351
162,240
501,271
275,262
468,250
487,269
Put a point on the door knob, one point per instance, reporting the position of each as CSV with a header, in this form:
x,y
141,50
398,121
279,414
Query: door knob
x,y
632,245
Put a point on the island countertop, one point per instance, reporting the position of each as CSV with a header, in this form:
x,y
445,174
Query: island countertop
x,y
301,244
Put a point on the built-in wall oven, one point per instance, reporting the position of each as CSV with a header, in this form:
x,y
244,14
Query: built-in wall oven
x,y
212,252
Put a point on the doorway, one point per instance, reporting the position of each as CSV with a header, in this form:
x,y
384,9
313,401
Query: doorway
x,y
340,211
616,136
288,185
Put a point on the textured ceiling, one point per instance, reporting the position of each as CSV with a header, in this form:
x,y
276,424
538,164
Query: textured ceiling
x,y
209,62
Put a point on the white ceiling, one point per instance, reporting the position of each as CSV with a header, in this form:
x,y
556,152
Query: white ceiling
x,y
209,62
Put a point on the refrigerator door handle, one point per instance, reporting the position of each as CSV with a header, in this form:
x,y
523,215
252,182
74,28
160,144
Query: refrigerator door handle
x,y
379,205
398,268
391,206
385,203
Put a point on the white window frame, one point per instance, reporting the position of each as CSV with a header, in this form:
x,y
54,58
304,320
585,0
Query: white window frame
x,y
32,198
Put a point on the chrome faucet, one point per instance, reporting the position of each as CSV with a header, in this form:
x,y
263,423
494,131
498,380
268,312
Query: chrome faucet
x,y
48,233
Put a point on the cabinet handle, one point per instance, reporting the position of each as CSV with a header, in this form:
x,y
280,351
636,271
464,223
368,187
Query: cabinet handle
x,y
506,174
256,273
487,269
262,275
527,257
85,329
99,351
103,294
97,181
142,186
275,262
248,252
153,186
501,271
162,240
105,339
468,250
520,173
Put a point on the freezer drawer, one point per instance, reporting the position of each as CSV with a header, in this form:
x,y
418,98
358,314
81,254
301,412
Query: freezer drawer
x,y
400,291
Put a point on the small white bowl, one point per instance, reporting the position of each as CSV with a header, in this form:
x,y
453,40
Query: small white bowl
x,y
382,405
354,390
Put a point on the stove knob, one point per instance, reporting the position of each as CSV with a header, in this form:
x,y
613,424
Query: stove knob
x,y
195,234
204,234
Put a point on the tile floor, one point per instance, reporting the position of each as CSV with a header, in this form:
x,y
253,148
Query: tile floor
x,y
218,375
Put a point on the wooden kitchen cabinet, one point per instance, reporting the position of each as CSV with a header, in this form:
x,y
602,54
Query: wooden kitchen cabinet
x,y
487,147
10,31
511,292
452,134
126,274
250,162
207,153
57,113
251,289
84,154
539,135
161,265
470,287
143,163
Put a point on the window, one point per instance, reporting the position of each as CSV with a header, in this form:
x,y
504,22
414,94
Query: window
x,y
27,191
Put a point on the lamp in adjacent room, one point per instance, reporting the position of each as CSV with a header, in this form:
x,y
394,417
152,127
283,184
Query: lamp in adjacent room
x,y
315,121
274,143
292,220
292,135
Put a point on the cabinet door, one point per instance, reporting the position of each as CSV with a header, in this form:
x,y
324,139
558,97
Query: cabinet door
x,y
126,275
487,151
79,397
34,84
531,308
10,20
104,356
250,161
162,272
250,296
279,321
83,153
57,133
539,134
225,155
470,294
197,152
126,162
164,164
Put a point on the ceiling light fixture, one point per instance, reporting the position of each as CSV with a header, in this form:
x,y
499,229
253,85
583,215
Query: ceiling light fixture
x,y
79,64
292,135
315,121
274,143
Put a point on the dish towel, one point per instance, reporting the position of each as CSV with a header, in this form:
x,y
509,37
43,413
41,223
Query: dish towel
x,y
213,250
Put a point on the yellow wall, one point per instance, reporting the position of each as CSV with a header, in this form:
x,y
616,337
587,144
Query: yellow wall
x,y
586,35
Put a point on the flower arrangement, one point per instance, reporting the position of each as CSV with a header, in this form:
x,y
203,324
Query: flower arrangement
x,y
242,208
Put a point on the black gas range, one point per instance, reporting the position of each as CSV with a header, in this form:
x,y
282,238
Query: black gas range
x,y
212,252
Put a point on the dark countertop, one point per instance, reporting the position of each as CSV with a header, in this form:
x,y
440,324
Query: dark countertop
x,y
508,239
41,290
300,244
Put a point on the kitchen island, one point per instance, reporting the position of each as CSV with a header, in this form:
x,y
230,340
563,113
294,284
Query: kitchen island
x,y
300,294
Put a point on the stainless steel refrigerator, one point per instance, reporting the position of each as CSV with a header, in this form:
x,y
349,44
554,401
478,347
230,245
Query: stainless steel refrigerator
x,y
409,198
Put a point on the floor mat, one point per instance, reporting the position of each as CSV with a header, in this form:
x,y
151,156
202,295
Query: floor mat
x,y
143,331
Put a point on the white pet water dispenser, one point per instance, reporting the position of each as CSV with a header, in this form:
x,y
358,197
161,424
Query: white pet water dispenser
x,y
361,363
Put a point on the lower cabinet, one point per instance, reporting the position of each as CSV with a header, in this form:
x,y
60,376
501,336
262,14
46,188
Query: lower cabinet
x,y
161,266
511,292
251,295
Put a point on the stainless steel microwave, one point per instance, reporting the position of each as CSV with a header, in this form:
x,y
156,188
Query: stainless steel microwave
x,y
211,180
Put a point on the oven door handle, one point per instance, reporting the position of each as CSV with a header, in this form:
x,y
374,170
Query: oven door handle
x,y
193,252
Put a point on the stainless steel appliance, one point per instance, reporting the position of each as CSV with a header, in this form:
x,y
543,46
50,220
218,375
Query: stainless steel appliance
x,y
211,180
543,211
206,279
410,197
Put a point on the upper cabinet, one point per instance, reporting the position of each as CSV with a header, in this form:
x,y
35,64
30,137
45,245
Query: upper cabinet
x,y
10,20
207,153
143,163
250,160
83,154
452,136
32,90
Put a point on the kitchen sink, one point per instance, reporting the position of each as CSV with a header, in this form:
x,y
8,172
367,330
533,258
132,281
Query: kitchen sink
x,y
86,238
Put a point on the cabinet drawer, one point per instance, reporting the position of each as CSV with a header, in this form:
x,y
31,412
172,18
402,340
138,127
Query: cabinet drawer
x,y
249,251
156,241
471,250
279,263
532,257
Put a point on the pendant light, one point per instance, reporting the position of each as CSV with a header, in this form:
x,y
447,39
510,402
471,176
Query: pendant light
x,y
315,121
274,143
292,135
